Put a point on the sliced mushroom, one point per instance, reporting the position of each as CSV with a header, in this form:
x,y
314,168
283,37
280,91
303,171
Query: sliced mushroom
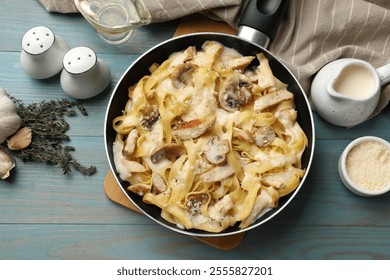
x,y
150,116
170,152
216,150
235,92
263,135
182,75
271,99
239,63
193,128
218,173
158,182
195,202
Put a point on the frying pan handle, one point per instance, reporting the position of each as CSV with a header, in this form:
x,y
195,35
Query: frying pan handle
x,y
260,20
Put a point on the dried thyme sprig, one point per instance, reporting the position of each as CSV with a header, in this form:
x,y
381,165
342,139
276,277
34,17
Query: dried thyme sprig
x,y
46,119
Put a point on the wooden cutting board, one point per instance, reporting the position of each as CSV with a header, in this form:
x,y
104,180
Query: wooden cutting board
x,y
190,24
198,23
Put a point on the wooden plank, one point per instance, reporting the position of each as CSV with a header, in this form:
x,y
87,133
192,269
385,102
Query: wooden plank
x,y
199,23
146,242
115,193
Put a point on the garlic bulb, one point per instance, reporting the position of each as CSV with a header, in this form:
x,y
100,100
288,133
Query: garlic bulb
x,y
7,162
10,121
20,140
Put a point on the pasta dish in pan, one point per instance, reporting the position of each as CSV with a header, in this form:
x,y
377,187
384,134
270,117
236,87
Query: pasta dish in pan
x,y
211,138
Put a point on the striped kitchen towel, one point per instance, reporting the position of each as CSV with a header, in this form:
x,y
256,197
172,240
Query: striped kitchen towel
x,y
316,32
165,10
313,32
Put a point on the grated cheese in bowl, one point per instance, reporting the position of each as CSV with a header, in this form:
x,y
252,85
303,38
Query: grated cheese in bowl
x,y
364,166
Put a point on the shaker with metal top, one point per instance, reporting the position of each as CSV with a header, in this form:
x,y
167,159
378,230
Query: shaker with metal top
x,y
42,52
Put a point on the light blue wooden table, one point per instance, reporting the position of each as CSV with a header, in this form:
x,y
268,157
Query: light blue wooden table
x,y
47,215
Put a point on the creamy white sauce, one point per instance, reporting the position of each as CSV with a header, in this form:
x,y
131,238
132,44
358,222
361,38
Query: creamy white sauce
x,y
355,81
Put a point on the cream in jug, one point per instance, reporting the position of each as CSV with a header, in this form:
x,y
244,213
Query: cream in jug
x,y
346,91
355,81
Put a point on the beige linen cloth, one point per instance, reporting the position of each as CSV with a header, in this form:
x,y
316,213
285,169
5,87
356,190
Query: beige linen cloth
x,y
312,34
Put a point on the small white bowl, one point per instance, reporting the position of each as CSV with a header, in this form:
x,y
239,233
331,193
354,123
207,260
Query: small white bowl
x,y
345,177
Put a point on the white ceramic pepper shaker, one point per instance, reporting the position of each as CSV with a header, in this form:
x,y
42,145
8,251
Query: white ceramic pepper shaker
x,y
42,52
84,74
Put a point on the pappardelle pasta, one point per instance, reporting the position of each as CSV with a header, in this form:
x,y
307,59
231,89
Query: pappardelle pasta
x,y
210,139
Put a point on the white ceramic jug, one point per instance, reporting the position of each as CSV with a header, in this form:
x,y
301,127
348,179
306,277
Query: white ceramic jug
x,y
345,92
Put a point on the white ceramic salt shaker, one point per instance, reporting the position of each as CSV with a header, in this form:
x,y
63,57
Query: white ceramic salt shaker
x,y
84,75
42,52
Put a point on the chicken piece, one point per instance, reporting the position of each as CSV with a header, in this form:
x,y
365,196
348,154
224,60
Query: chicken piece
x,y
217,173
130,143
287,117
271,99
239,63
170,152
219,210
193,128
284,181
158,182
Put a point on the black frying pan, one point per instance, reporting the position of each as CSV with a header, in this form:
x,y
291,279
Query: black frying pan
x,y
263,14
